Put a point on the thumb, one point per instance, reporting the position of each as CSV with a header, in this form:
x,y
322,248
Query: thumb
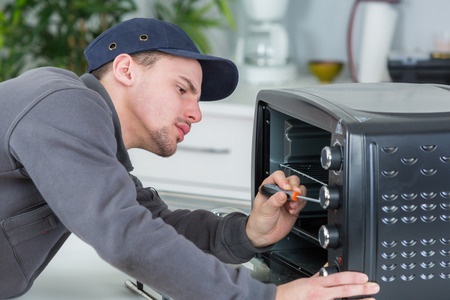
x,y
274,203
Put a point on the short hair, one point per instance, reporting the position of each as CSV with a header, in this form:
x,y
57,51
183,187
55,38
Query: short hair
x,y
146,59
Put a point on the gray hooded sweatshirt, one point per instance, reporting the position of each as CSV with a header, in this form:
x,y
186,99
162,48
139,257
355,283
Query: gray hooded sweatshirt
x,y
64,169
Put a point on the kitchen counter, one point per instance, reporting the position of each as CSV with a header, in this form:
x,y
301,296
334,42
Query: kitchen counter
x,y
245,94
76,273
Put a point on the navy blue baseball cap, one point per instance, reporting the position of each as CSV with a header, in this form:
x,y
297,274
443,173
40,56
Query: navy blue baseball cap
x,y
220,75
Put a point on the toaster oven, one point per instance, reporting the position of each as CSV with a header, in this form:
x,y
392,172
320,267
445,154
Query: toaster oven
x,y
376,156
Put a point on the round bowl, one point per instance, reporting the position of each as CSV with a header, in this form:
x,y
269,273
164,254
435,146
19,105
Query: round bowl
x,y
325,70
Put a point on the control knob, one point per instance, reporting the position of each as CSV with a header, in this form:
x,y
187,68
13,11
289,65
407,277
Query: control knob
x,y
331,158
329,236
329,197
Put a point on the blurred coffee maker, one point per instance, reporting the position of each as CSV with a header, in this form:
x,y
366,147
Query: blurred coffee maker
x,y
263,51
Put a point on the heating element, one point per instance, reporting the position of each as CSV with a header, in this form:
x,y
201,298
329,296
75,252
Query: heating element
x,y
377,156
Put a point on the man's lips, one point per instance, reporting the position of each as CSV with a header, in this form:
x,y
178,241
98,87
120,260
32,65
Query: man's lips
x,y
183,129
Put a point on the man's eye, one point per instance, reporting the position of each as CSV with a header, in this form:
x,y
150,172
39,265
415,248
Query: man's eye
x,y
181,90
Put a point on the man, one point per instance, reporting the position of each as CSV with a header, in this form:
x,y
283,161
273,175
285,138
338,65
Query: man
x,y
64,169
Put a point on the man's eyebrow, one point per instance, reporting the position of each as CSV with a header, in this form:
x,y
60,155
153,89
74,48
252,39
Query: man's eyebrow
x,y
189,83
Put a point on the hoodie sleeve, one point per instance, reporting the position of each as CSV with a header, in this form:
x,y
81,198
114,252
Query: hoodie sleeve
x,y
224,237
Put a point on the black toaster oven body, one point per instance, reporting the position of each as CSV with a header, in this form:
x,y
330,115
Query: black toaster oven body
x,y
381,153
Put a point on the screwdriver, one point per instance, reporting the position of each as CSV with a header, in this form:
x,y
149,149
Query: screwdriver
x,y
270,189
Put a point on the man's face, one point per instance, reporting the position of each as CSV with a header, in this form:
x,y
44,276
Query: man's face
x,y
164,103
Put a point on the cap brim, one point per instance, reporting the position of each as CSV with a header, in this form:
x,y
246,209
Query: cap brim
x,y
220,75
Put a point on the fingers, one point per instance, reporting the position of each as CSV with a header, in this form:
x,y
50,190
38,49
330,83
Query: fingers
x,y
303,190
348,284
294,207
286,183
343,278
294,181
279,178
340,285
345,291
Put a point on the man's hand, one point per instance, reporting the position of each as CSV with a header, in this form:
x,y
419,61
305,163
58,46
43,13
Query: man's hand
x,y
338,285
272,218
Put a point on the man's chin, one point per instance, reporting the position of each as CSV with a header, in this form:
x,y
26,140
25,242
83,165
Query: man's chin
x,y
167,152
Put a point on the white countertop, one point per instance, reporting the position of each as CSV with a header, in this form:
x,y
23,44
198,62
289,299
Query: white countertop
x,y
242,101
76,273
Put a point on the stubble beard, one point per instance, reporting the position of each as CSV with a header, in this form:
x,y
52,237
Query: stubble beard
x,y
165,147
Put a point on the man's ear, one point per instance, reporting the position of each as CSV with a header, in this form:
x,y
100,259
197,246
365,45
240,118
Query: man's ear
x,y
123,69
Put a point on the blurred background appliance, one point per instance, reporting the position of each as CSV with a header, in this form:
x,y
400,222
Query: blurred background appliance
x,y
420,67
378,26
263,50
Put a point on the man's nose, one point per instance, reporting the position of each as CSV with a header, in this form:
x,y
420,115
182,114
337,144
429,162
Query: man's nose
x,y
193,112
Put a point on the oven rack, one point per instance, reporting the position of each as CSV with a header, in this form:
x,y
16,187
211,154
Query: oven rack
x,y
310,172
